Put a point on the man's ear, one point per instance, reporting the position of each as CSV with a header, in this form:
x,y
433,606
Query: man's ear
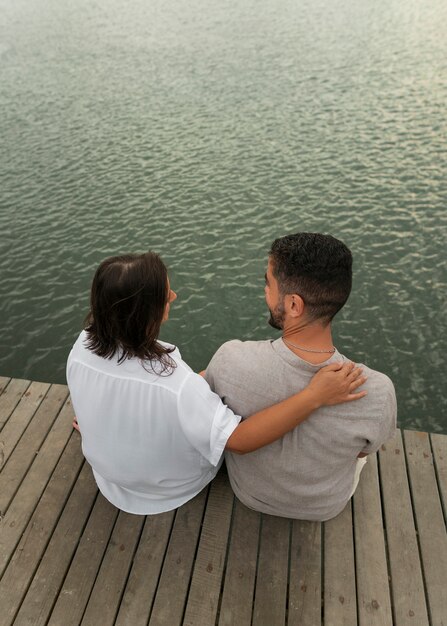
x,y
294,305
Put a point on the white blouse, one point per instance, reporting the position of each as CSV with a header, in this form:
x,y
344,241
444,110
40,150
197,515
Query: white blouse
x,y
153,441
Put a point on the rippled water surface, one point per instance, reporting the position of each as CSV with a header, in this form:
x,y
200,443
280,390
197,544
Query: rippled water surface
x,y
204,130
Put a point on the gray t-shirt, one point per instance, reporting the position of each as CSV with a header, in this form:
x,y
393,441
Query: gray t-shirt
x,y
307,474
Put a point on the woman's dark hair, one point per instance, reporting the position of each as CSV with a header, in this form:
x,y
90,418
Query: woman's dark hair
x,y
318,268
128,298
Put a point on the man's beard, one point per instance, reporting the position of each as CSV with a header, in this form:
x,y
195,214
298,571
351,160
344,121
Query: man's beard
x,y
276,319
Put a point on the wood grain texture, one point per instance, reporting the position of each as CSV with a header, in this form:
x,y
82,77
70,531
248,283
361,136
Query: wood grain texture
x,y
373,593
239,584
20,418
439,447
175,576
34,444
11,395
429,521
4,382
109,585
68,557
28,495
139,594
407,585
340,596
78,584
48,579
203,597
305,574
34,540
271,583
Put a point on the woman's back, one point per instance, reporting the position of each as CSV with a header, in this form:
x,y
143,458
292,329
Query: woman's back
x,y
153,440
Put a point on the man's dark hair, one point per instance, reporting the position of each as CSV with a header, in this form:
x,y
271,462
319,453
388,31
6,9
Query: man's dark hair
x,y
128,298
316,267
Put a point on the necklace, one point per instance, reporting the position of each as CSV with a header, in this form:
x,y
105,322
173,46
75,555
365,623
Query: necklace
x,y
307,349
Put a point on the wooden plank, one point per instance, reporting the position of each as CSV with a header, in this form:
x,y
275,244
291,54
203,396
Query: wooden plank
x,y
373,593
20,418
203,598
78,584
271,584
340,601
140,590
175,576
15,520
430,523
24,561
27,450
104,600
407,586
439,447
50,574
10,398
4,381
305,574
239,586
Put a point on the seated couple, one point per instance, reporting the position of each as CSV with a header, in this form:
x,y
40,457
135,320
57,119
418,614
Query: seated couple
x,y
294,417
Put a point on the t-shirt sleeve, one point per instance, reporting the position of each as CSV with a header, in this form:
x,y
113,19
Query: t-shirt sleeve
x,y
386,421
220,373
214,370
206,422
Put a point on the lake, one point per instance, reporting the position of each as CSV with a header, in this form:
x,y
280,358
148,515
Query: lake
x,y
204,130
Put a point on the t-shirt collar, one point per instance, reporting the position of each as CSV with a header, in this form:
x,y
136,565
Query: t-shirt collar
x,y
293,359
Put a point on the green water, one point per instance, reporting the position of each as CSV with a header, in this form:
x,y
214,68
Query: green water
x,y
205,129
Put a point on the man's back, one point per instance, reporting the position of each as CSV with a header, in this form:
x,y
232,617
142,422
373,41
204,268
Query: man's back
x,y
309,473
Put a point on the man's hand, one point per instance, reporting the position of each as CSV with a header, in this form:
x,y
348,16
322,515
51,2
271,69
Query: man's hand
x,y
76,425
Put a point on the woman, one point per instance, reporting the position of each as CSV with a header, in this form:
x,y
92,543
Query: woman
x,y
152,429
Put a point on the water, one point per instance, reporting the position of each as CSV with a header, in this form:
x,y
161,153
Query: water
x,y
205,129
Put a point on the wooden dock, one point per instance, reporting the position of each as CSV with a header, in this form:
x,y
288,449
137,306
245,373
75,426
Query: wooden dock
x,y
68,557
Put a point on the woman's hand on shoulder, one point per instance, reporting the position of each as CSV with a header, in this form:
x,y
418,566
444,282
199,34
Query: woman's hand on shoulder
x,y
336,383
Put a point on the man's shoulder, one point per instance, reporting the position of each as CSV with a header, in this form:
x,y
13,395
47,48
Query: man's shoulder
x,y
236,359
381,398
235,349
378,382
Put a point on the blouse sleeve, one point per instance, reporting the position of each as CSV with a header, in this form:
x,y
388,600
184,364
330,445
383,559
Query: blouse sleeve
x,y
206,422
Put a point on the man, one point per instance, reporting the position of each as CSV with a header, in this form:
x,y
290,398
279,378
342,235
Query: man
x,y
312,471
